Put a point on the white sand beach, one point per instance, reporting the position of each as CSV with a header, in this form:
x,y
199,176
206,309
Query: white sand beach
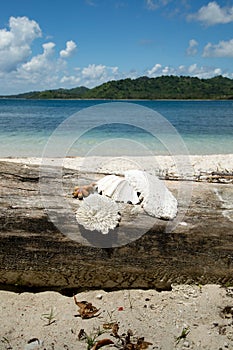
x,y
158,317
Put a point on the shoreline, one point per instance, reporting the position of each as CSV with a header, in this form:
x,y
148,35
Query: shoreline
x,y
113,99
211,168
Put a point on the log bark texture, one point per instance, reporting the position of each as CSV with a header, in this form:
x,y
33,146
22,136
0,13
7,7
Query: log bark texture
x,y
35,254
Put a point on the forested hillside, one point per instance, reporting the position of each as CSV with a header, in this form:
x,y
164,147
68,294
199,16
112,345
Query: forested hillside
x,y
164,87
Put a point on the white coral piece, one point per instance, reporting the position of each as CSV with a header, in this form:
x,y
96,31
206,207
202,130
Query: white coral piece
x,y
118,188
157,200
98,213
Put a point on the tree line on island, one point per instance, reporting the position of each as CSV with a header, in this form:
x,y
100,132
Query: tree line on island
x,y
163,87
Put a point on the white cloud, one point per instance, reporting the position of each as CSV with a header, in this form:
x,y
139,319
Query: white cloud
x,y
217,71
192,49
45,71
69,50
182,69
170,7
151,5
90,2
158,70
15,43
115,70
167,70
42,71
213,14
71,80
222,49
94,71
39,62
92,75
157,67
20,70
98,74
191,70
155,4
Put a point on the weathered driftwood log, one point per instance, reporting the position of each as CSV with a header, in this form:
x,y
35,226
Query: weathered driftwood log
x,y
34,253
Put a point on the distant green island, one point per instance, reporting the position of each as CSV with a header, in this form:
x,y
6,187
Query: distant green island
x,y
163,87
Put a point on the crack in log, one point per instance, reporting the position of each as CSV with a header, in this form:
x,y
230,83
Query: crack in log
x,y
21,188
20,177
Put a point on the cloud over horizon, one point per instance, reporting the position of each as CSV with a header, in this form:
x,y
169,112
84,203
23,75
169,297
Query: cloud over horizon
x,y
192,70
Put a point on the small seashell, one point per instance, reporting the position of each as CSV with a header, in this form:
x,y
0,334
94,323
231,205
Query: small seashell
x,y
99,296
34,344
183,223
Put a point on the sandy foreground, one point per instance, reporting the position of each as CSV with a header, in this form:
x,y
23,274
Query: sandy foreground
x,y
188,317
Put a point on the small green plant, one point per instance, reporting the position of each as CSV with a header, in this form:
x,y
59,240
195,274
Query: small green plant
x,y
200,287
91,338
50,317
228,284
185,331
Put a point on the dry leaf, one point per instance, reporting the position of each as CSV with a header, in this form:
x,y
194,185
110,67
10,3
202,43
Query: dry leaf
x,y
129,334
82,334
129,346
86,309
102,343
227,312
108,325
142,344
115,329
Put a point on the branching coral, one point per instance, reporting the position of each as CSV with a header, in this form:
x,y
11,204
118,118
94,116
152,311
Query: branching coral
x,y
98,213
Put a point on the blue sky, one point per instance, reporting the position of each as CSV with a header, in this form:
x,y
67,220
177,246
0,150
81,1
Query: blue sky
x,y
51,44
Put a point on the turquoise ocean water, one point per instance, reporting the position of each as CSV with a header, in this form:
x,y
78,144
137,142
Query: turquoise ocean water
x,y
26,126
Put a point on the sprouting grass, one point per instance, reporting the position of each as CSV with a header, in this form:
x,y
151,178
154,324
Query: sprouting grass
x,y
50,317
111,316
185,331
130,300
200,287
91,338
